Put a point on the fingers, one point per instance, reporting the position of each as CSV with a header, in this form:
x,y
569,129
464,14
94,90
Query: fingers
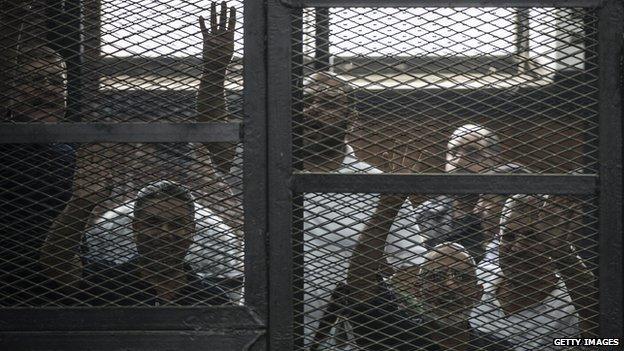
x,y
223,16
202,24
232,21
213,17
224,21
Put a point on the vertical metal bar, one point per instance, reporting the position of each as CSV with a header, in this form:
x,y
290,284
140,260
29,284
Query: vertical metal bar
x,y
65,34
255,161
522,39
297,206
75,59
279,173
9,33
321,39
610,32
591,131
92,54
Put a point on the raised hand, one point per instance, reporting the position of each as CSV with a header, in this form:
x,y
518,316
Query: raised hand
x,y
219,38
556,217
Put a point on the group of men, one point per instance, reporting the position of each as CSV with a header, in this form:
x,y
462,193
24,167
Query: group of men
x,y
380,272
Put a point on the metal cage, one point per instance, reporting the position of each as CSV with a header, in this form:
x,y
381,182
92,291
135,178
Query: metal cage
x,y
282,230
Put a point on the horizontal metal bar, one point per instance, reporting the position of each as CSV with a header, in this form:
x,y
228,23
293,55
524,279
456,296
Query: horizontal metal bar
x,y
124,318
134,340
119,132
445,183
437,3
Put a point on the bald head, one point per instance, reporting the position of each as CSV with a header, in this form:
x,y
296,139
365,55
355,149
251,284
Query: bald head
x,y
472,148
327,114
449,280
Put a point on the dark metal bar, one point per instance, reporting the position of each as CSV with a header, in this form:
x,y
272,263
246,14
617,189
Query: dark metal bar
x,y
117,319
130,340
297,143
279,96
64,21
255,162
119,132
92,57
522,39
434,3
321,38
445,183
611,18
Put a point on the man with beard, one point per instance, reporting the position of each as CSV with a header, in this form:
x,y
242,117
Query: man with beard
x,y
36,178
163,228
538,286
471,149
426,305
332,222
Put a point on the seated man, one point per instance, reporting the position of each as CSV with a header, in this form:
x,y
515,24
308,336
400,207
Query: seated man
x,y
432,312
163,229
535,288
36,178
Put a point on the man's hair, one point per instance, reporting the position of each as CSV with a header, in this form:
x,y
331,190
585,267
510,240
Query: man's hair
x,y
491,139
164,190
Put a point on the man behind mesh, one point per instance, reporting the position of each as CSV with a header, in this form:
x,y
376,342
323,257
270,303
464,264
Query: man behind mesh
x,y
163,228
471,149
217,249
332,222
426,305
36,178
537,286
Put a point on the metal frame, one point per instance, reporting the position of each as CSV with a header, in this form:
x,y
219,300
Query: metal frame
x,y
445,183
164,328
448,3
119,132
284,184
611,21
279,82
271,186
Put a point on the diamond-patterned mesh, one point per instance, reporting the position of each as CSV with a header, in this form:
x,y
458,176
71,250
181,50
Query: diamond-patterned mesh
x,y
415,75
444,90
385,272
396,90
96,220
123,224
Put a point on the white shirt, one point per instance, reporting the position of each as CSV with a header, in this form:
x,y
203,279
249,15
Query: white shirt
x,y
332,224
217,251
532,328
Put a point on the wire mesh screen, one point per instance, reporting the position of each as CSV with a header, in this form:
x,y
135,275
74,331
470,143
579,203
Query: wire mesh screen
x,y
444,90
93,227
478,272
411,77
121,224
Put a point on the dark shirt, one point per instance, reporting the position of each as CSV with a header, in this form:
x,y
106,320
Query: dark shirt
x,y
35,185
381,323
109,284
